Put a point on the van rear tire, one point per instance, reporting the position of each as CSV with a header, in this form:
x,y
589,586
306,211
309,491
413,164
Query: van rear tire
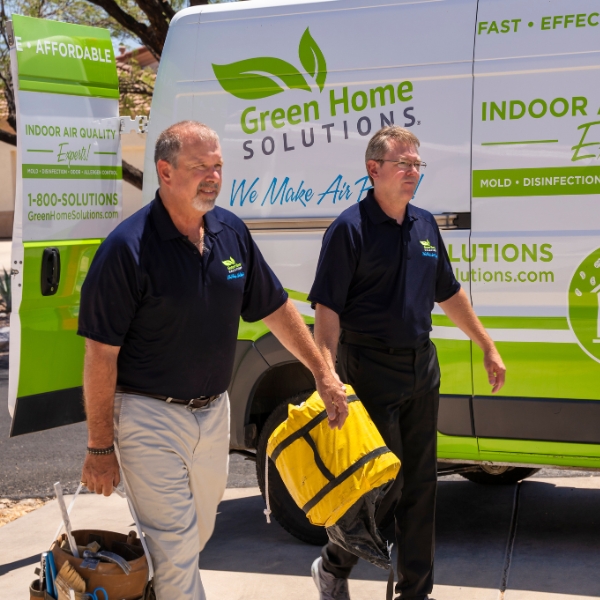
x,y
499,475
283,508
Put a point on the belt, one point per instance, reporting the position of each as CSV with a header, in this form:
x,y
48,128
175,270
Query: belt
x,y
199,402
366,341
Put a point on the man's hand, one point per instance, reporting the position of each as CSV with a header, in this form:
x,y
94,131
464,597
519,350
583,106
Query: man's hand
x,y
458,308
495,369
101,473
289,328
333,394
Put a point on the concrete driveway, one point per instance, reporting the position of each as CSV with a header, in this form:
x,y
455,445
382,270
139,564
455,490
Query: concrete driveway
x,y
548,548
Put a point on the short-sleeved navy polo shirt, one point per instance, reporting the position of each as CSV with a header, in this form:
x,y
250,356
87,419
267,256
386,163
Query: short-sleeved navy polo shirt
x,y
383,278
174,312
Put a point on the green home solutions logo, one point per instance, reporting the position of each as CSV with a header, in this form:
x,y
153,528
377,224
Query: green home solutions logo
x,y
584,304
234,268
232,264
428,248
256,78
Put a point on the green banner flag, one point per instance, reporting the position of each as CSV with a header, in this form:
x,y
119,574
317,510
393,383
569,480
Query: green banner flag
x,y
62,58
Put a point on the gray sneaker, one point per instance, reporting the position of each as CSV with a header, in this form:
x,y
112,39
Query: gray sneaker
x,y
330,587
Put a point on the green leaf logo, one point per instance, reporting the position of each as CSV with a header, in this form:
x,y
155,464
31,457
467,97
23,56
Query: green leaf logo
x,y
244,79
312,59
232,264
263,76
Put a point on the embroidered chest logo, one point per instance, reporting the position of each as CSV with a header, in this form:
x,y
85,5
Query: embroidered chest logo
x,y
234,268
428,249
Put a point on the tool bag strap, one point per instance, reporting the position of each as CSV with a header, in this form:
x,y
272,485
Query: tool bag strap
x,y
303,431
135,518
353,468
138,526
389,592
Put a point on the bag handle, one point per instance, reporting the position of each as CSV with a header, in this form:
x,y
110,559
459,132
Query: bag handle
x,y
138,526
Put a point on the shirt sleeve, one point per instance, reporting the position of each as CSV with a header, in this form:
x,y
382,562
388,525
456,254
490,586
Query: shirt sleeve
x,y
336,267
110,295
446,284
263,292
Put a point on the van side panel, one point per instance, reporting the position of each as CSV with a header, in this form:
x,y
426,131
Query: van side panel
x,y
295,97
535,266
295,93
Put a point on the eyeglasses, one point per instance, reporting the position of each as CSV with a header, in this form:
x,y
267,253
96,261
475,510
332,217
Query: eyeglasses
x,y
405,165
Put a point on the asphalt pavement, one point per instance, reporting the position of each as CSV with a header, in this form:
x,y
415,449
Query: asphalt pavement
x,y
32,463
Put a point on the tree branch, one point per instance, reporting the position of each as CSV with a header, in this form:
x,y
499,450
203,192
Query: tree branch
x,y
133,175
159,15
146,35
7,137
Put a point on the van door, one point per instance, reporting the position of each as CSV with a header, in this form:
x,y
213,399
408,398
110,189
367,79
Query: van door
x,y
535,256
68,198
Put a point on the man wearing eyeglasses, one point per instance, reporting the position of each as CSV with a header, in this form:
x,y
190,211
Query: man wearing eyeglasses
x,y
382,266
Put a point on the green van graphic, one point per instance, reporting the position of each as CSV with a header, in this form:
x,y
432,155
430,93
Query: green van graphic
x,y
584,304
255,78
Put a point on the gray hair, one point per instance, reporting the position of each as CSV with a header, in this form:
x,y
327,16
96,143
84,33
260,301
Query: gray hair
x,y
379,144
170,141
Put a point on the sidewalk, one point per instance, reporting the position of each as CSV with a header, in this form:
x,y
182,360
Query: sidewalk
x,y
556,551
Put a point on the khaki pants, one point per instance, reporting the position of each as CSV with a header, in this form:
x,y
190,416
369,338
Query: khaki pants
x,y
175,465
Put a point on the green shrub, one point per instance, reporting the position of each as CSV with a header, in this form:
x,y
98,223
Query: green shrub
x,y
5,296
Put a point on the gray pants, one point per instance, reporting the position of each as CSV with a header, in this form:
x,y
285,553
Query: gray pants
x,y
174,463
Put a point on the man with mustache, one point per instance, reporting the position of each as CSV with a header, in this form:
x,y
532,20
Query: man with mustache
x,y
160,309
382,266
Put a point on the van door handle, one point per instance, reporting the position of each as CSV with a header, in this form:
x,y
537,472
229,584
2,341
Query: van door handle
x,y
50,276
453,220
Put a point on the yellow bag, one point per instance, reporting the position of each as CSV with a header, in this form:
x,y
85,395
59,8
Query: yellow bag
x,y
326,471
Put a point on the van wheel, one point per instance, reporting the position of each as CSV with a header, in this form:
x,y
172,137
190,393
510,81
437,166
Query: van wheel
x,y
283,507
497,475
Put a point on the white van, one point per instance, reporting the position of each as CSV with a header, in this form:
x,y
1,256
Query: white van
x,y
504,97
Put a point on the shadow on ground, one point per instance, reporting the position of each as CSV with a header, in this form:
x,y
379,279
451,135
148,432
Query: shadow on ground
x,y
557,547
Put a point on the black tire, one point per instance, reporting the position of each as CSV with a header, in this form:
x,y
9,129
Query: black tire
x,y
283,508
506,477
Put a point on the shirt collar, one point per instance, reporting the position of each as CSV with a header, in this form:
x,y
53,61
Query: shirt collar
x,y
377,215
162,219
166,228
212,223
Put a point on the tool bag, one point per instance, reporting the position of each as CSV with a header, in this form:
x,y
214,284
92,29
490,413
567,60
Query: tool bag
x,y
336,476
327,471
137,585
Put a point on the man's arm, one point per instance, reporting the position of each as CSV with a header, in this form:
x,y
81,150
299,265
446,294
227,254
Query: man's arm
x,y
289,328
459,310
100,473
327,333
